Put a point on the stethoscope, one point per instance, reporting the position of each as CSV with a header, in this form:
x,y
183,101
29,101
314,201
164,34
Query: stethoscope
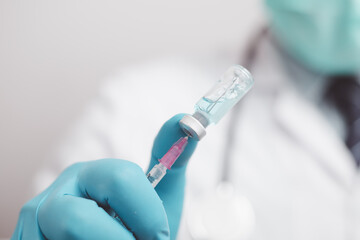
x,y
224,213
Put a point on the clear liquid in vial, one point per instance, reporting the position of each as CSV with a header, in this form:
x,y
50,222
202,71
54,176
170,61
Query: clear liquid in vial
x,y
231,87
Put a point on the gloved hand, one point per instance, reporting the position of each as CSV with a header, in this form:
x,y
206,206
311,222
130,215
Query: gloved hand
x,y
75,206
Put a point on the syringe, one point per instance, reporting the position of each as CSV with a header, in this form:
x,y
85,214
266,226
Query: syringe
x,y
159,170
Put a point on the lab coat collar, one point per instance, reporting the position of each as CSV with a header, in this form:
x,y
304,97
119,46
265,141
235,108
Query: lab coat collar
x,y
301,119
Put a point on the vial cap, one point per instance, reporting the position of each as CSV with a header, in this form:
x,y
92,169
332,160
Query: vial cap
x,y
192,127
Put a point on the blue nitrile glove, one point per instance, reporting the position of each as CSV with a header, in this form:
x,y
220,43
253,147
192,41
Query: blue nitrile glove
x,y
75,206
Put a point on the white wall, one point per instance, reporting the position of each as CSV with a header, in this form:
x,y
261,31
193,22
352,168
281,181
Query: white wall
x,y
54,55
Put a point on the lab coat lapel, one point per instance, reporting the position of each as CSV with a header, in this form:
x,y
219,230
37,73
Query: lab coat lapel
x,y
301,120
312,131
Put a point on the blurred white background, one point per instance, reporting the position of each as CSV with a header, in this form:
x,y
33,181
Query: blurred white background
x,y
55,54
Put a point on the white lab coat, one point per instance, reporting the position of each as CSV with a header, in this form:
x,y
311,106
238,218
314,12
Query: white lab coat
x,y
288,160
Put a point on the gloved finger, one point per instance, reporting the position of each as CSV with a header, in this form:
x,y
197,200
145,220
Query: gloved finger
x,y
72,217
27,226
171,187
123,186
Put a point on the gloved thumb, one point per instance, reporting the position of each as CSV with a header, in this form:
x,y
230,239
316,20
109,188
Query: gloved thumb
x,y
171,187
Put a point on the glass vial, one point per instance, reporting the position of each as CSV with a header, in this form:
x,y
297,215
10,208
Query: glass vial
x,y
213,106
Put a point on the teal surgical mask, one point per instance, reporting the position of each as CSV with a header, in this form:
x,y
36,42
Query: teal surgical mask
x,y
324,35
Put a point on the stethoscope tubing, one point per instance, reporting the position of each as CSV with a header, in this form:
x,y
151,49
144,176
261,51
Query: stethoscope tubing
x,y
247,62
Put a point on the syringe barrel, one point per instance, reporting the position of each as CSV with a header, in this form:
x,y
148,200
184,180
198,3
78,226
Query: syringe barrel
x,y
156,174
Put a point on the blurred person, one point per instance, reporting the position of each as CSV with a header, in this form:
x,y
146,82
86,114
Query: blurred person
x,y
289,153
